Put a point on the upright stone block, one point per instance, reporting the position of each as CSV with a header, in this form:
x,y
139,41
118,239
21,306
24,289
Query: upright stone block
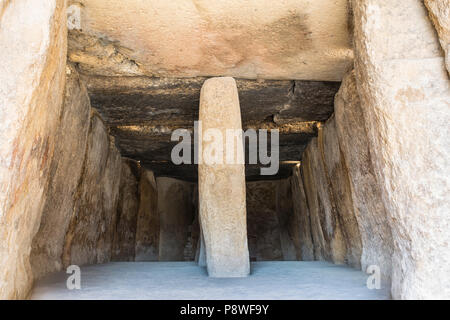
x,y
221,185
405,92
147,228
176,213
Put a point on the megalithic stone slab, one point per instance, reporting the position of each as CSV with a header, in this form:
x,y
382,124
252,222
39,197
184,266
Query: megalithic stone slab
x,y
200,256
221,185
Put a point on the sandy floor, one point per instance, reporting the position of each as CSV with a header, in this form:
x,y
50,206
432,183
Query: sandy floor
x,y
185,280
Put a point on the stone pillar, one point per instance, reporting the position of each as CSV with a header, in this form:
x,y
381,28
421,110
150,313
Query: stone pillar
x,y
222,186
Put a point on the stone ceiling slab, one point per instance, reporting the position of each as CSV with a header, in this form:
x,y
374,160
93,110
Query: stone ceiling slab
x,y
174,102
289,39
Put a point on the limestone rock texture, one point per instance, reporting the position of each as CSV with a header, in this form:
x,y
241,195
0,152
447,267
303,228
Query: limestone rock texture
x,y
370,213
336,172
64,177
90,234
176,215
221,186
292,39
32,76
147,224
124,243
439,12
328,238
83,192
299,221
110,193
285,209
404,89
200,255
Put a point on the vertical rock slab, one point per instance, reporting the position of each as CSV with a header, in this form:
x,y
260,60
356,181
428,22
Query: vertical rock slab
x,y
222,186
81,238
32,66
285,213
439,11
405,92
65,173
299,223
176,214
124,243
89,236
329,243
192,253
338,179
376,237
110,197
200,255
147,228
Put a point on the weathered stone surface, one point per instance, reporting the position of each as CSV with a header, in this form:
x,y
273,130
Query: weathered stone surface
x,y
32,67
191,251
147,229
110,194
439,11
273,232
336,172
223,221
99,55
404,90
263,228
65,173
329,242
299,223
369,209
174,101
285,210
89,237
125,230
293,39
200,255
176,213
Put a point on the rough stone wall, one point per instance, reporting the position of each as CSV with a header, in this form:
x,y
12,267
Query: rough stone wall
x,y
299,221
89,236
404,89
343,198
176,213
147,228
32,67
284,205
336,173
328,238
110,194
59,166
263,229
124,243
272,233
370,213
65,175
439,11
